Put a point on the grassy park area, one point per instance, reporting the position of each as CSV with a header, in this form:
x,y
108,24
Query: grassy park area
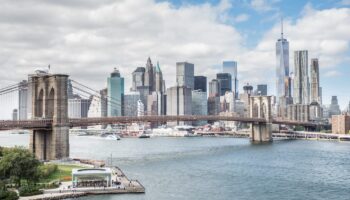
x,y
61,173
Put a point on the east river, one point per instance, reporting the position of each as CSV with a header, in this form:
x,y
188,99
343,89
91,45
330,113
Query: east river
x,y
220,168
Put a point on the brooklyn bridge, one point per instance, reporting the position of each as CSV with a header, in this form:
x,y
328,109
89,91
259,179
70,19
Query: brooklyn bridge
x,y
50,124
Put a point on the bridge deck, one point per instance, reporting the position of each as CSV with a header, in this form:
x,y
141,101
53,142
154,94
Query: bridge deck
x,y
48,123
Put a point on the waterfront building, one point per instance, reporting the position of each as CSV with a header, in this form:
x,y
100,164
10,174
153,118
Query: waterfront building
x,y
301,78
231,68
131,103
200,83
14,114
261,89
115,89
138,78
140,108
214,88
199,105
92,177
334,108
341,124
179,102
22,100
185,74
225,81
78,107
298,112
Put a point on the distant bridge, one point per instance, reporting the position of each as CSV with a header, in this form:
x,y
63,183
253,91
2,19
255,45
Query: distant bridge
x,y
49,138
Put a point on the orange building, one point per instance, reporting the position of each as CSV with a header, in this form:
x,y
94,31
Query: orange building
x,y
341,124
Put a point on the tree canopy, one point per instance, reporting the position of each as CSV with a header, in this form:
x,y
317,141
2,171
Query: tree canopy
x,y
19,164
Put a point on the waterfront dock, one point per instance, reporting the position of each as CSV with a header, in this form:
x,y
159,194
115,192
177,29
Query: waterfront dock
x,y
66,190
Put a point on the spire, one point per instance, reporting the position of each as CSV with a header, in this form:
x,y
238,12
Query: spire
x,y
282,28
158,68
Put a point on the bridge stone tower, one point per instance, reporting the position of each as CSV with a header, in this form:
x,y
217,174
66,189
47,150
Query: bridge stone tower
x,y
50,101
260,106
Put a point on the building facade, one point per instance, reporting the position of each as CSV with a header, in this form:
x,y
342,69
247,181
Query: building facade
x,y
334,108
185,74
261,89
299,112
231,68
131,100
115,89
214,88
179,102
78,107
138,78
22,100
315,89
301,78
341,124
225,81
199,105
200,83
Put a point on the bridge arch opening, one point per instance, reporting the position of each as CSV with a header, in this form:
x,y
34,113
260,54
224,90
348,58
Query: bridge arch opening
x,y
50,103
255,110
39,104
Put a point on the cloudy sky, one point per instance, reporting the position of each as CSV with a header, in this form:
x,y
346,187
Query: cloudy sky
x,y
88,38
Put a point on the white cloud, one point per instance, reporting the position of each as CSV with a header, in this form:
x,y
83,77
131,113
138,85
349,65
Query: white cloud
x,y
87,40
242,18
345,2
261,5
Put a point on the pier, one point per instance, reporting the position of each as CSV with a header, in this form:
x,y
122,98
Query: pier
x,y
125,186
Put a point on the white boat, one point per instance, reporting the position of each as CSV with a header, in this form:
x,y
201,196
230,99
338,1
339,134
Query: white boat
x,y
113,137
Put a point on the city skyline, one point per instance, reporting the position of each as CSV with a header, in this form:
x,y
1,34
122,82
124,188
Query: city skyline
x,y
91,66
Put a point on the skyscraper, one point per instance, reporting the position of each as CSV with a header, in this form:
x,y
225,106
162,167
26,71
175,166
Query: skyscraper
x,y
179,102
138,78
231,68
301,78
199,105
158,79
149,80
283,80
261,89
22,100
225,81
315,81
334,107
214,88
283,87
131,100
185,74
115,89
200,83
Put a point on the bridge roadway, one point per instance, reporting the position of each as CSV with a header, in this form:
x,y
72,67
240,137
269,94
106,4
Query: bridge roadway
x,y
47,123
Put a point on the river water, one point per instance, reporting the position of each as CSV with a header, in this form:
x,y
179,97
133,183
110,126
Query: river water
x,y
220,168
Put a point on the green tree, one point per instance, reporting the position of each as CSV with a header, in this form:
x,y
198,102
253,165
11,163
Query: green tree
x,y
19,164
